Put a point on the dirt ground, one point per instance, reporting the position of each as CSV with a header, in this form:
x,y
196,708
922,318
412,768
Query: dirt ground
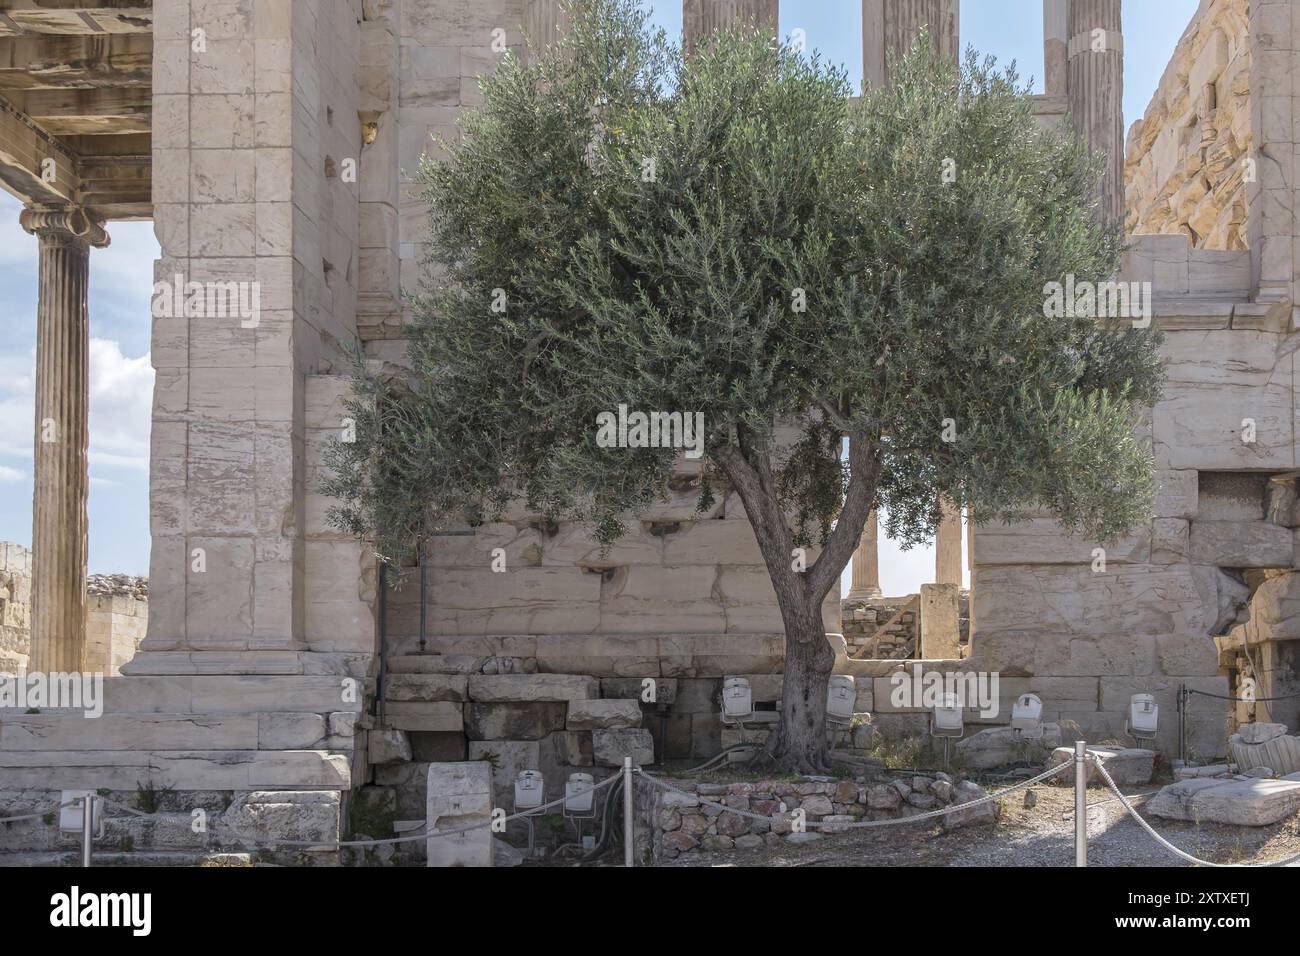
x,y
1039,836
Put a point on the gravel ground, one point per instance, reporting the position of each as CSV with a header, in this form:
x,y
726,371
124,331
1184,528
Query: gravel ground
x,y
1039,836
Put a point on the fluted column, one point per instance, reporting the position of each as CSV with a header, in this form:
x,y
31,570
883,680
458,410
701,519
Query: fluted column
x,y
947,545
865,584
1096,92
890,27
61,480
702,17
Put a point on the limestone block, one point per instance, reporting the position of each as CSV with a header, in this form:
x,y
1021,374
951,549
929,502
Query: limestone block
x,y
939,624
599,655
128,732
514,720
1241,544
968,791
644,599
1043,541
459,795
712,542
426,716
388,746
634,688
609,747
1127,766
1252,803
290,731
486,688
603,714
1000,746
1169,540
301,815
425,687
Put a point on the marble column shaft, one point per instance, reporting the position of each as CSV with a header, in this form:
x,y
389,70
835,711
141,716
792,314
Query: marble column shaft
x,y
1096,92
61,479
702,17
947,545
865,582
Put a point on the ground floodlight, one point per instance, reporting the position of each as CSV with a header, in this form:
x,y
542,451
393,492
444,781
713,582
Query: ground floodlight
x,y
946,719
1143,717
841,697
528,790
737,699
579,795
72,812
1027,716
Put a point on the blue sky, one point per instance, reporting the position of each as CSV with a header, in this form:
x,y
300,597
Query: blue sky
x,y
121,282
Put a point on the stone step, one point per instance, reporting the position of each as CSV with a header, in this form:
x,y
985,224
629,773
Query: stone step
x,y
232,694
177,769
266,731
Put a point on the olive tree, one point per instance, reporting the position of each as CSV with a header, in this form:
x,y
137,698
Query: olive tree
x,y
731,233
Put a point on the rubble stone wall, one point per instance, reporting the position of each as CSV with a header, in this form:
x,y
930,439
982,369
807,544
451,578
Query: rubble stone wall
x,y
1188,157
15,606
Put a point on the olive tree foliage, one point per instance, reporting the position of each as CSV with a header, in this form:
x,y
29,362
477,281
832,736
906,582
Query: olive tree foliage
x,y
731,233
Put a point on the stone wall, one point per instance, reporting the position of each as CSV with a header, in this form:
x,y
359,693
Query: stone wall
x,y
117,608
694,820
15,606
117,617
1187,157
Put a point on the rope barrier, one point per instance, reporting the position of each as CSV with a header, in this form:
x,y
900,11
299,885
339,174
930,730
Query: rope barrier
x,y
1240,700
40,816
426,834
866,824
1182,854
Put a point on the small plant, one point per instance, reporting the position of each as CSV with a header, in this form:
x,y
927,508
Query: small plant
x,y
149,798
127,843
32,710
48,819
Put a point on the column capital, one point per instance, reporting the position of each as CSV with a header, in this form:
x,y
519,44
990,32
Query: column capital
x,y
66,222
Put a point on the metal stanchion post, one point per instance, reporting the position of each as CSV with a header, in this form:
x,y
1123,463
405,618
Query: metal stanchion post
x,y
1080,803
627,812
87,827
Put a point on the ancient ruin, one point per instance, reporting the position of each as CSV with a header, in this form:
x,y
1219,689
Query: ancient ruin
x,y
282,684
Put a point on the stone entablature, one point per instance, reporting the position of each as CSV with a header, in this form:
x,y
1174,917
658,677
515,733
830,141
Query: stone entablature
x,y
1187,162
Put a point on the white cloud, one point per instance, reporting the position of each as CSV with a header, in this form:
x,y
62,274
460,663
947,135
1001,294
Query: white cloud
x,y
121,399
11,474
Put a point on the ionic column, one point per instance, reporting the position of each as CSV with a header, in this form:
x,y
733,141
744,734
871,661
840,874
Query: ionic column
x,y
1095,89
61,480
947,545
865,584
702,17
890,27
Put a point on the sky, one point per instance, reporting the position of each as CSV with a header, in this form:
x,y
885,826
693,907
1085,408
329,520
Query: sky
x,y
121,277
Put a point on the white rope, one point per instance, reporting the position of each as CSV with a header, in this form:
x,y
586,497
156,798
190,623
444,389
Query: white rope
x,y
865,824
41,816
1101,768
426,834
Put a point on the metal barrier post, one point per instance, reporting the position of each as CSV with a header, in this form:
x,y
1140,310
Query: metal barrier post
x,y
87,827
627,812
1080,803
